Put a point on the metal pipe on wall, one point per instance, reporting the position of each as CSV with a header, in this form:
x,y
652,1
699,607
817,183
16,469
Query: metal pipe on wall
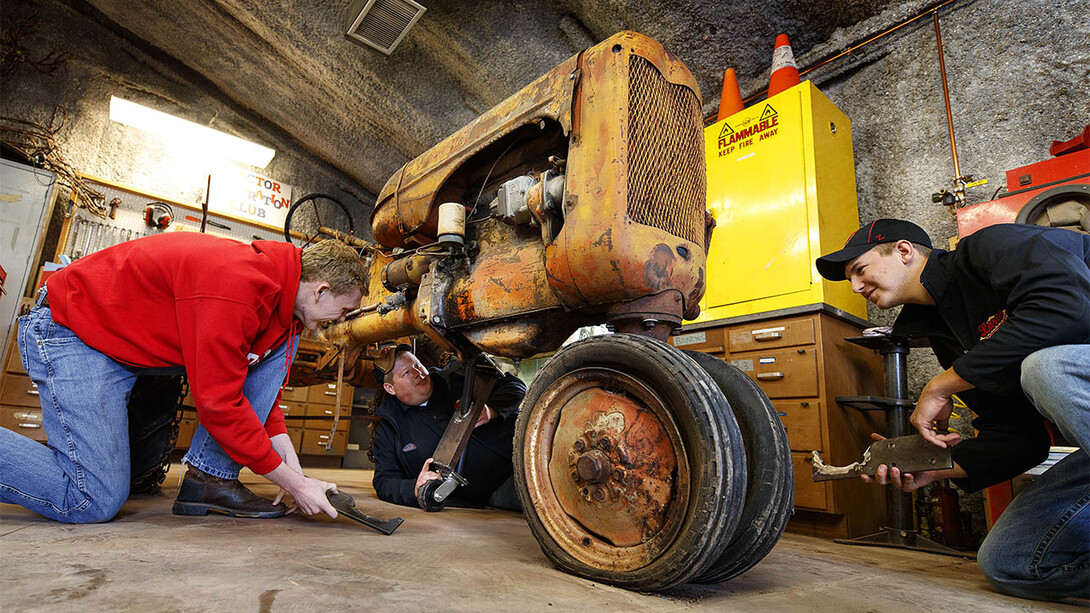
x,y
946,99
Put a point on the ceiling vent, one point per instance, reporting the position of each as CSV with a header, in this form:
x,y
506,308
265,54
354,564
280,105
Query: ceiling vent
x,y
382,23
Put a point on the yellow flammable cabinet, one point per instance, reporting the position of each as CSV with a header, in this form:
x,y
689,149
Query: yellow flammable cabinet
x,y
781,184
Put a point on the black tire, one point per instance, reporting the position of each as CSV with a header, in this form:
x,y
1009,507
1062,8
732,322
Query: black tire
x,y
1040,203
154,416
311,202
674,463
770,490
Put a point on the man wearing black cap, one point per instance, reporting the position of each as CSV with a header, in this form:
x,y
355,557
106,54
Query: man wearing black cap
x,y
1008,316
414,414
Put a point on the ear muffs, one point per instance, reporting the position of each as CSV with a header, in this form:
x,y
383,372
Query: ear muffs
x,y
158,215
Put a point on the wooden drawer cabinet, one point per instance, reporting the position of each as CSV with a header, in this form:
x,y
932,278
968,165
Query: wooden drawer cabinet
x,y
781,373
186,428
20,403
14,363
761,335
318,401
808,494
25,421
296,436
19,390
292,409
326,393
314,442
323,416
802,363
294,394
708,341
802,421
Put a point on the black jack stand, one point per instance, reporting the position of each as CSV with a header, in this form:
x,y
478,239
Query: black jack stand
x,y
901,532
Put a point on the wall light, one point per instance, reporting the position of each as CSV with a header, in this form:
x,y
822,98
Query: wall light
x,y
195,136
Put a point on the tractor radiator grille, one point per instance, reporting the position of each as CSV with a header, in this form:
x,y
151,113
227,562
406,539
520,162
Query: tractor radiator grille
x,y
667,187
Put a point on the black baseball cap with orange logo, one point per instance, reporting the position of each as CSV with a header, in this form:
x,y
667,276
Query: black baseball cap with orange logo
x,y
866,238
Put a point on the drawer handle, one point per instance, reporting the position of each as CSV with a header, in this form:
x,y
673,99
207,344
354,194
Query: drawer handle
x,y
288,388
330,393
770,376
285,407
324,436
29,425
29,416
767,336
32,393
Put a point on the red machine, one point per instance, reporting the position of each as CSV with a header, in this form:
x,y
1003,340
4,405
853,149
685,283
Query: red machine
x,y
1055,192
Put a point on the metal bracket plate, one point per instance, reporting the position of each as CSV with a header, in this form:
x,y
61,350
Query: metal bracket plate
x,y
911,454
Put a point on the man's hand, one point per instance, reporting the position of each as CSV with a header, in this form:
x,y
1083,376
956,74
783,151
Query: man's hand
x,y
934,407
906,482
487,414
282,446
909,482
309,494
426,474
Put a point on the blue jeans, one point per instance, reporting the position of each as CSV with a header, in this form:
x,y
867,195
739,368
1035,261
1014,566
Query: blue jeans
x,y
83,475
1040,546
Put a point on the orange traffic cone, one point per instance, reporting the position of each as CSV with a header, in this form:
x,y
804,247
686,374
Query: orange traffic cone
x,y
785,74
730,101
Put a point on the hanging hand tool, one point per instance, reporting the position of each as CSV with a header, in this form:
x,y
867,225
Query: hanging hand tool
x,y
909,454
346,505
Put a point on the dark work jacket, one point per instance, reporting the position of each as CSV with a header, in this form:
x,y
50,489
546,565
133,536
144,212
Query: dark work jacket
x,y
1005,292
406,436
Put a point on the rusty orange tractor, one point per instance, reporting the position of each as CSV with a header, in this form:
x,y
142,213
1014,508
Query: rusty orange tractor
x,y
582,201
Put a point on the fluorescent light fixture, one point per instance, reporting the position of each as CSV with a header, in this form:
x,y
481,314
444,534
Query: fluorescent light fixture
x,y
200,139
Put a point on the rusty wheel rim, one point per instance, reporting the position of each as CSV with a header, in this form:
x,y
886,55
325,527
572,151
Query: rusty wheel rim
x,y
607,469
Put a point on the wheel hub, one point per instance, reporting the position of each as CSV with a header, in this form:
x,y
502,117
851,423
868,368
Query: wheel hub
x,y
614,464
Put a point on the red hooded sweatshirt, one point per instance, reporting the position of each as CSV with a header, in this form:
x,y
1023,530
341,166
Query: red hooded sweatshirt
x,y
212,305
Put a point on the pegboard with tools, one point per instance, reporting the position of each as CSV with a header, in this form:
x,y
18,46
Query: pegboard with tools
x,y
134,214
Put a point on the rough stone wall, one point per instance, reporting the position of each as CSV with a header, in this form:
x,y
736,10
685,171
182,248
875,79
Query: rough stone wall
x,y
1019,78
344,119
102,63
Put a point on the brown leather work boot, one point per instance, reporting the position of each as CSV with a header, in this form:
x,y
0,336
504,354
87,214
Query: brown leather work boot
x,y
202,493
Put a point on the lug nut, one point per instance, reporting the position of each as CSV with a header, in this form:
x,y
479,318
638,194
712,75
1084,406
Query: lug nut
x,y
599,494
604,444
593,467
618,474
580,445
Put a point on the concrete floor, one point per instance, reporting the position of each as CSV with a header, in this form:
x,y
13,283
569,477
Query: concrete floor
x,y
457,560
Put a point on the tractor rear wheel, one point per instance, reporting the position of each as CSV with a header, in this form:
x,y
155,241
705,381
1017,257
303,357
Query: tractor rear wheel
x,y
770,490
629,464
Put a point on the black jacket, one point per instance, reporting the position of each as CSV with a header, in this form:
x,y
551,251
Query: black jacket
x,y
406,436
1007,291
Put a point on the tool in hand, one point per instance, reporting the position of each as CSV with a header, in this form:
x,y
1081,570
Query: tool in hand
x,y
481,376
346,505
432,496
909,454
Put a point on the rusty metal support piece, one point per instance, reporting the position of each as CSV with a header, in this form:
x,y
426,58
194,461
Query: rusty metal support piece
x,y
654,316
910,454
481,377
